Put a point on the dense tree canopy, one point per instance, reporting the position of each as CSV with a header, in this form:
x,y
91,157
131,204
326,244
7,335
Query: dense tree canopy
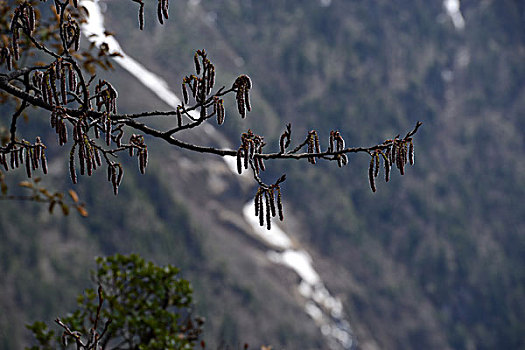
x,y
138,305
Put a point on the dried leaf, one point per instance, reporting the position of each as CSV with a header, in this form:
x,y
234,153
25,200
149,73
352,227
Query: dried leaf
x,y
73,195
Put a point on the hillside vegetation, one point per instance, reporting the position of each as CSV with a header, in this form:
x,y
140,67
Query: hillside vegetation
x,y
433,260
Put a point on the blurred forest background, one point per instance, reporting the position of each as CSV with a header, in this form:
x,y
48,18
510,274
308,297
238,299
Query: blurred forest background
x,y
433,260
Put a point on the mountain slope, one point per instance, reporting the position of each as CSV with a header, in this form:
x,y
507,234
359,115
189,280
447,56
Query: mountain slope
x,y
432,260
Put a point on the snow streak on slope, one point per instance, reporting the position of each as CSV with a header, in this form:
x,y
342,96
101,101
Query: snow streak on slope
x,y
453,10
324,309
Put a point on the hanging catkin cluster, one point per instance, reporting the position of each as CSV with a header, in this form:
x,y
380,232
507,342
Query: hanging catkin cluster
x,y
242,86
136,143
251,144
58,117
23,19
200,85
54,83
115,174
90,109
106,96
399,152
271,195
32,155
337,144
218,109
162,10
71,31
313,145
88,152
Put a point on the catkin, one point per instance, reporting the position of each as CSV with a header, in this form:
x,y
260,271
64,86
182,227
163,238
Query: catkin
x,y
247,100
21,156
14,159
159,12
81,159
261,164
220,112
411,152
165,7
194,86
279,204
239,161
89,160
371,175
3,161
63,85
28,163
197,63
15,45
185,93
33,157
31,18
107,127
143,160
387,164
268,210
282,141
72,171
257,201
120,174
376,169
52,80
272,202
261,212
110,170
246,156
179,117
141,16
44,163
344,159
72,78
114,181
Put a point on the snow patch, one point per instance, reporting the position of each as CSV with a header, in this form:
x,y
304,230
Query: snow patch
x,y
454,12
299,261
274,237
